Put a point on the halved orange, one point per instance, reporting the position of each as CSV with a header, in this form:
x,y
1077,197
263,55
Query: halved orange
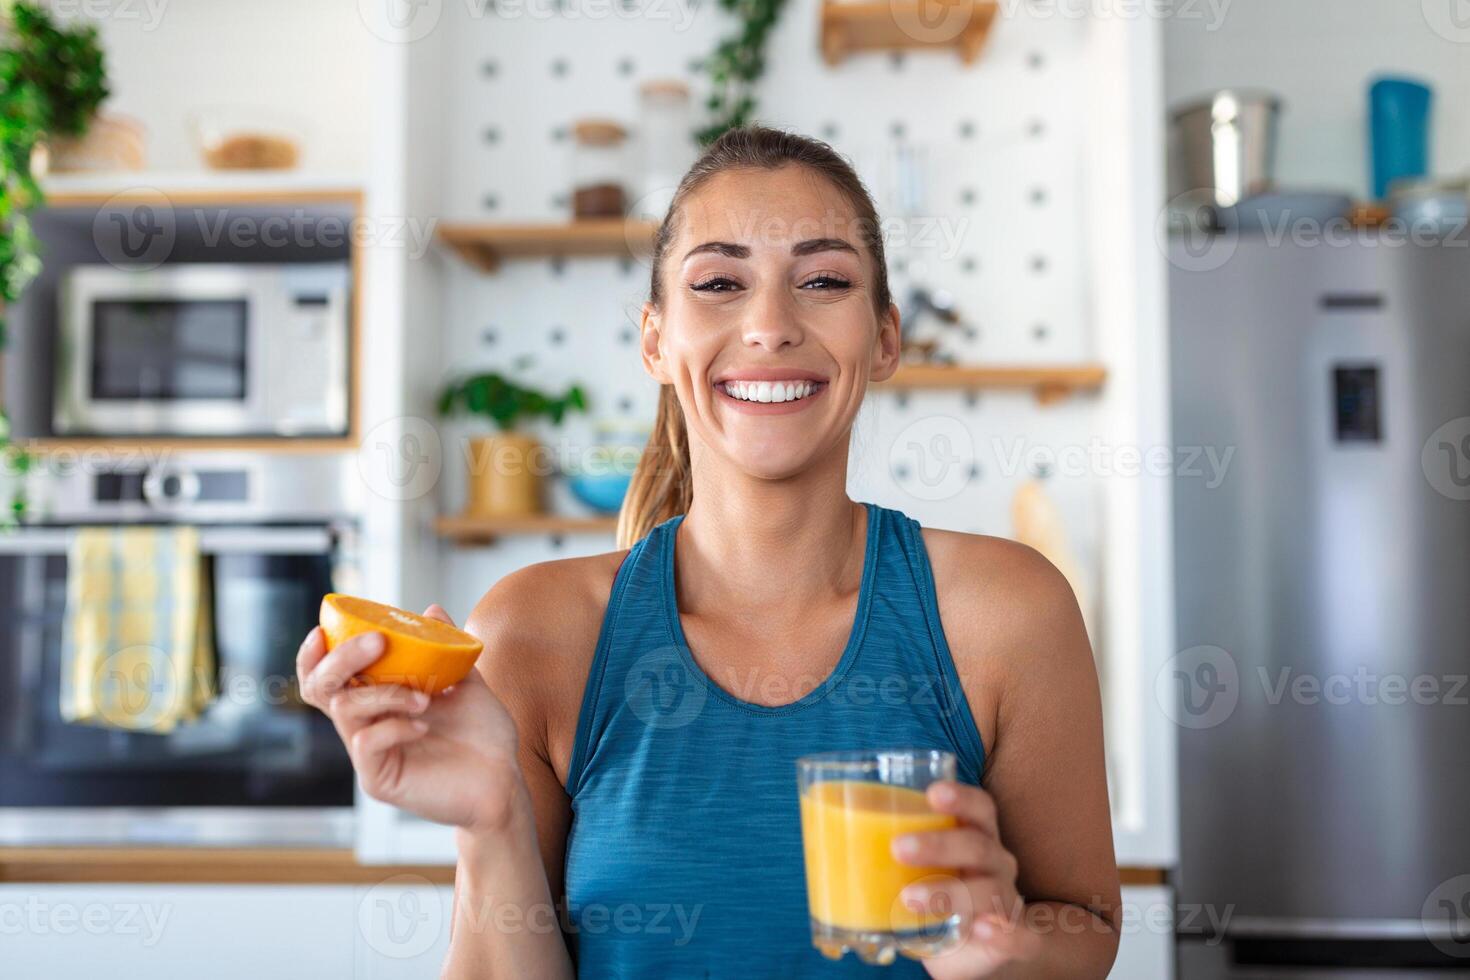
x,y
421,653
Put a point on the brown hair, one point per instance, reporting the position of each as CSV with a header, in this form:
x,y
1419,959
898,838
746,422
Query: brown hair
x,y
662,485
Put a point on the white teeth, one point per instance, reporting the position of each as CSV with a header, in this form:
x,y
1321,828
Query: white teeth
x,y
769,391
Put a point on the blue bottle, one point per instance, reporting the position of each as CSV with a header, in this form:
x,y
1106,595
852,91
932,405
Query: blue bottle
x,y
1399,117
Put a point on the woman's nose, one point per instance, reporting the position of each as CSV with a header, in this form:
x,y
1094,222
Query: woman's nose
x,y
771,320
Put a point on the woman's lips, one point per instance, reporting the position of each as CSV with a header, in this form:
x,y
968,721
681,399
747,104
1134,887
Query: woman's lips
x,y
768,408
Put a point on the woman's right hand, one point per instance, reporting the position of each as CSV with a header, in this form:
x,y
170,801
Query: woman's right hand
x,y
450,758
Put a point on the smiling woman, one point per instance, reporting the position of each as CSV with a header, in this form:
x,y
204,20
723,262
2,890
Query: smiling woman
x,y
625,753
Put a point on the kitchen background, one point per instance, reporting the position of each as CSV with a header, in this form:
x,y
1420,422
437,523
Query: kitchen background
x,y
425,158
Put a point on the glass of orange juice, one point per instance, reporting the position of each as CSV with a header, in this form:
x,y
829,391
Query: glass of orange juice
x,y
853,804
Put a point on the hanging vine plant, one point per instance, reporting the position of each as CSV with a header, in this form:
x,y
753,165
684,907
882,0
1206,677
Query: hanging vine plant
x,y
736,64
52,79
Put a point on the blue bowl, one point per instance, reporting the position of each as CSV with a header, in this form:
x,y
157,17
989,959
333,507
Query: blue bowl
x,y
602,493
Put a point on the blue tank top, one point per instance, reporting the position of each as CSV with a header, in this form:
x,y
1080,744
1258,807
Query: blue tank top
x,y
684,855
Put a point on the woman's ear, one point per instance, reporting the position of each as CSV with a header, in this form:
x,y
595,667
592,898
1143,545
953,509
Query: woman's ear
x,y
649,327
888,345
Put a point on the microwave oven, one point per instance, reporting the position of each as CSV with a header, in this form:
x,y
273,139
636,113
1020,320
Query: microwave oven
x,y
204,349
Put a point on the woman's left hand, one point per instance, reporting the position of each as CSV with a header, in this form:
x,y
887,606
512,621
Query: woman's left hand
x,y
982,888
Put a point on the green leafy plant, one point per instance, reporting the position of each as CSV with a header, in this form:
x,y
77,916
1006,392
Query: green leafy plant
x,y
737,64
494,396
52,79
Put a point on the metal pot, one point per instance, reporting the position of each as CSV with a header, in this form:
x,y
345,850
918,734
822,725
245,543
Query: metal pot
x,y
1227,144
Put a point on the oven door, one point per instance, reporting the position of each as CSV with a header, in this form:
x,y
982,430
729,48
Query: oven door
x,y
257,767
168,351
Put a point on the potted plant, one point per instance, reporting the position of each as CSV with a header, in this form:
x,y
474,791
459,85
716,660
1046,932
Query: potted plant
x,y
52,79
504,479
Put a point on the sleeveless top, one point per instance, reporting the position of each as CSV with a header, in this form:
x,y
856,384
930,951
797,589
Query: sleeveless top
x,y
684,855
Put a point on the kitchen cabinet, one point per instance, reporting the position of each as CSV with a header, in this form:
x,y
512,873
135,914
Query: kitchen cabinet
x,y
397,928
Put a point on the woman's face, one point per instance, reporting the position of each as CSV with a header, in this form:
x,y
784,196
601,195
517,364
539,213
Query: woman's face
x,y
767,330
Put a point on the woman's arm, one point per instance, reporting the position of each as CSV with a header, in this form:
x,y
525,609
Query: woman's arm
x,y
1035,846
508,881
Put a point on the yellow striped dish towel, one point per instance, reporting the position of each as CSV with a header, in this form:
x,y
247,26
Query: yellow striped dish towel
x,y
138,638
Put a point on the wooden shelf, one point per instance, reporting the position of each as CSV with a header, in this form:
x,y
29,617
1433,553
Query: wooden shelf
x,y
850,26
199,187
203,865
52,445
254,865
486,246
1051,383
470,529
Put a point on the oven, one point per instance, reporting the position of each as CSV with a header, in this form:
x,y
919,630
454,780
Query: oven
x,y
257,766
204,349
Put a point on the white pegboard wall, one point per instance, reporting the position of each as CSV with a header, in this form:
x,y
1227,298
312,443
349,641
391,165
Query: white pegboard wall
x,y
998,224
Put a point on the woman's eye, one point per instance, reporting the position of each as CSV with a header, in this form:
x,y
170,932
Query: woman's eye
x,y
827,282
717,284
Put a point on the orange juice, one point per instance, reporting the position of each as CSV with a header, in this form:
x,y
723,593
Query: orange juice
x,y
852,877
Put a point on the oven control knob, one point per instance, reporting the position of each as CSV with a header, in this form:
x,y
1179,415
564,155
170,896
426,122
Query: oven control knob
x,y
170,486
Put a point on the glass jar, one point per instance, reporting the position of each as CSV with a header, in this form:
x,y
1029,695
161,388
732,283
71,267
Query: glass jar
x,y
666,144
599,173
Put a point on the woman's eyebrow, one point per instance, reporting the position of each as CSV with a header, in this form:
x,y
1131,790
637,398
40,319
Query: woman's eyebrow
x,y
813,245
719,248
808,247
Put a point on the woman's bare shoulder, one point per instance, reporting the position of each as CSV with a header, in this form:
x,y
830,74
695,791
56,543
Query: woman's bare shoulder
x,y
540,625
550,607
1000,598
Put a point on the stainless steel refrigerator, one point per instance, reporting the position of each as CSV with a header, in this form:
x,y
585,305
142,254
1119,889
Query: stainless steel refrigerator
x,y
1323,591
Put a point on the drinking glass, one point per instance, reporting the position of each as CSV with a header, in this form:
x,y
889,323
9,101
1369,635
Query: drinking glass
x,y
853,804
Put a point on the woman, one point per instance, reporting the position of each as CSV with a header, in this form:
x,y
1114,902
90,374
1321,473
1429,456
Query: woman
x,y
624,754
